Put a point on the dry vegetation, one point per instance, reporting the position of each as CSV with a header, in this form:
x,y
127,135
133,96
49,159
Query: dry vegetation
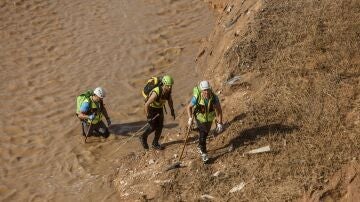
x,y
308,52
306,58
299,92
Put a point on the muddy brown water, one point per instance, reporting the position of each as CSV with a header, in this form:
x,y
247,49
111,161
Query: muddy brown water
x,y
50,51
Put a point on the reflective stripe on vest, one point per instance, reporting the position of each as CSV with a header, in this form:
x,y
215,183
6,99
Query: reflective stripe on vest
x,y
208,114
158,103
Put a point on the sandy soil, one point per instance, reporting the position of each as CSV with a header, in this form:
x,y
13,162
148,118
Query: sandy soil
x,y
53,50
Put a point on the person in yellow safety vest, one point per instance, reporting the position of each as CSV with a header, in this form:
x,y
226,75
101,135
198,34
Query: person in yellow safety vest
x,y
154,111
90,112
205,106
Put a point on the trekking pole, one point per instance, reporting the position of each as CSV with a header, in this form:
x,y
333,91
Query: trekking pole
x,y
137,132
146,124
88,131
186,137
178,164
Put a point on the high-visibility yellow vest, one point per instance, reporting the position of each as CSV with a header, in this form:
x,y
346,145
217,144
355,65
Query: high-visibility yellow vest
x,y
159,102
204,111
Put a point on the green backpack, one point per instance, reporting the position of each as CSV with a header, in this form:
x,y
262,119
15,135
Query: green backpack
x,y
81,98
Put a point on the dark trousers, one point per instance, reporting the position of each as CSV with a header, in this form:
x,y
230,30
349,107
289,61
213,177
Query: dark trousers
x,y
155,125
98,129
204,129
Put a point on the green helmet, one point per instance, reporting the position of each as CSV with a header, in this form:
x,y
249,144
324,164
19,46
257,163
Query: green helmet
x,y
167,80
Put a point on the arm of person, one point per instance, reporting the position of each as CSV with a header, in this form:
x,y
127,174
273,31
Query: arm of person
x,y
170,103
189,110
151,99
219,115
190,107
218,111
104,111
171,106
84,108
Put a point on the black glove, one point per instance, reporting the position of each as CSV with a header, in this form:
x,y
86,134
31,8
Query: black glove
x,y
173,113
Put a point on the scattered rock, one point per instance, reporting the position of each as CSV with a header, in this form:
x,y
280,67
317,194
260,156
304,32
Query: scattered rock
x,y
162,181
231,148
259,150
233,80
229,8
151,161
217,173
237,188
206,196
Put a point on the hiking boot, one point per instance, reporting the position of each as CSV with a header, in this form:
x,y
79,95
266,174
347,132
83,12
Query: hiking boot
x,y
157,146
144,143
204,157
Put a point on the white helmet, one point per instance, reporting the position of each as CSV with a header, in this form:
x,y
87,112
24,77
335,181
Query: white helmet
x,y
204,85
100,92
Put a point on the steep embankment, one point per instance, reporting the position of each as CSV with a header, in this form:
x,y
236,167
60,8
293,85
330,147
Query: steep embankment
x,y
298,64
287,73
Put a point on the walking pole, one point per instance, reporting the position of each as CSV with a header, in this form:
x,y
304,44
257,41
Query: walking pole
x,y
178,164
182,151
88,131
137,132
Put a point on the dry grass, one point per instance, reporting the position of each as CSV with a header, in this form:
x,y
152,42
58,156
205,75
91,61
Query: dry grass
x,y
307,107
308,52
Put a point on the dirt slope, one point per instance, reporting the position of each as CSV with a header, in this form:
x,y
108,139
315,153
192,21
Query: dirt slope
x,y
298,92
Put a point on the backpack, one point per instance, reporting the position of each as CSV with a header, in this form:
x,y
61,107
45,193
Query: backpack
x,y
81,98
152,83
